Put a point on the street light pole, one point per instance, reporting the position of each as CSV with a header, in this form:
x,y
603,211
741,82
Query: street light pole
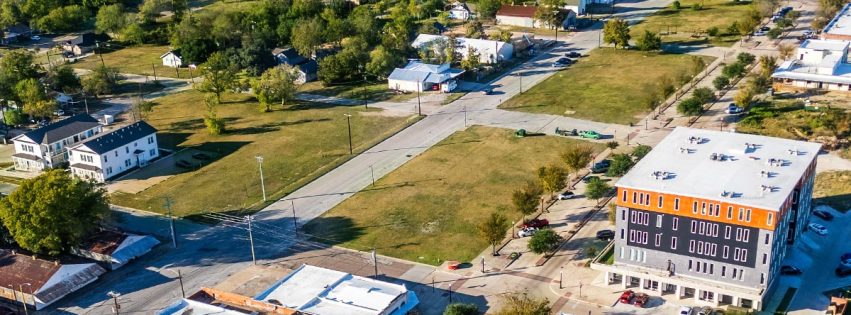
x,y
465,115
372,171
419,105
114,295
24,296
262,182
295,220
167,205
251,240
180,279
349,123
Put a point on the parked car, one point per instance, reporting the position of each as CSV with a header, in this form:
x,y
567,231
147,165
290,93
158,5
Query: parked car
x,y
790,270
527,231
35,37
641,299
824,215
685,310
706,310
201,156
605,235
626,296
588,179
817,228
601,167
59,112
536,223
566,195
765,28
842,271
733,109
487,91
589,134
759,33
573,54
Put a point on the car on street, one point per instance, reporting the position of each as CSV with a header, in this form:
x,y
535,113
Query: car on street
x,y
566,195
790,270
685,310
588,179
759,33
589,134
487,91
626,296
733,109
842,271
527,231
573,54
845,259
817,228
536,223
605,235
808,33
601,167
641,300
562,62
765,28
35,37
824,215
59,112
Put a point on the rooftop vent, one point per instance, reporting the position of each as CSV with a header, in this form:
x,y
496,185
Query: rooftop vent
x,y
696,140
718,157
684,150
775,162
766,174
660,175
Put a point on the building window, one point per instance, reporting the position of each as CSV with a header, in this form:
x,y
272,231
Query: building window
x,y
634,197
727,232
105,158
624,195
762,278
744,255
647,200
726,252
698,267
623,214
691,246
748,217
766,238
764,259
674,243
658,220
702,228
770,220
658,241
689,265
734,272
703,208
116,153
660,201
737,254
109,170
730,212
150,139
711,269
127,162
127,149
152,152
641,198
746,235
693,226
622,233
676,223
741,214
739,234
723,270
694,208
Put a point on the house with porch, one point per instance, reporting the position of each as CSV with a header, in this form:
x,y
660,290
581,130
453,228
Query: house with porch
x,y
418,76
104,157
46,147
524,16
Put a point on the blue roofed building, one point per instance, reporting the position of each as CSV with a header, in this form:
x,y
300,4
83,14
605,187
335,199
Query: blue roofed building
x,y
418,76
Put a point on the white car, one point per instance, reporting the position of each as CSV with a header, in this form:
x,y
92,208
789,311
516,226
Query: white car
x,y
529,231
685,310
759,33
35,37
817,228
566,195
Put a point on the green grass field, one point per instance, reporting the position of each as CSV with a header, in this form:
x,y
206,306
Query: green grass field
x,y
135,60
375,92
834,189
606,86
299,144
427,210
679,26
786,119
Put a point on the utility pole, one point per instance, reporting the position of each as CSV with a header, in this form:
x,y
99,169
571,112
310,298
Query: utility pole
x,y
483,264
295,220
371,170
251,240
97,47
375,262
520,75
180,279
349,123
155,71
465,115
419,105
167,205
560,278
116,307
262,182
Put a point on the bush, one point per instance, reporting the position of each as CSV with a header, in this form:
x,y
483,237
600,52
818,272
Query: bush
x,y
733,70
704,95
544,241
774,33
690,107
640,151
214,125
745,58
713,31
621,163
676,5
784,23
461,309
720,82
649,41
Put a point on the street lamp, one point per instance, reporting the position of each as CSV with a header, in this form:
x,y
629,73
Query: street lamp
x,y
114,295
179,277
262,182
349,123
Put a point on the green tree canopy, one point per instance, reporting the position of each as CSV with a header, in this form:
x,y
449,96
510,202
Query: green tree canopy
x,y
616,32
523,304
102,80
577,157
64,19
690,106
220,75
640,151
544,241
461,309
720,82
307,37
53,211
649,41
596,189
110,19
381,62
552,178
63,78
276,85
493,230
621,163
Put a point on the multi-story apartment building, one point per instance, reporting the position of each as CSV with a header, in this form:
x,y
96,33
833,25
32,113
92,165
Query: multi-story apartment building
x,y
46,147
111,154
709,215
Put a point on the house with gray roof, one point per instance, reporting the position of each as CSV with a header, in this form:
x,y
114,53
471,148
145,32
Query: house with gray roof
x,y
46,147
307,68
114,153
418,76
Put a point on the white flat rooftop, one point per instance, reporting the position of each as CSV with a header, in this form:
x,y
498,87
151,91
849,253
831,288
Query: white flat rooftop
x,y
841,23
821,44
329,292
692,172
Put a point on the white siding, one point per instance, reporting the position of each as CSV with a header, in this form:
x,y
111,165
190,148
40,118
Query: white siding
x,y
116,161
406,86
171,60
515,20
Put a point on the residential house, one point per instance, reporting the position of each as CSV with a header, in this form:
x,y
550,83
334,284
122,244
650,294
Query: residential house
x,y
306,290
418,76
38,282
46,147
490,51
579,6
115,249
817,64
524,16
460,11
306,67
172,59
78,44
102,158
15,33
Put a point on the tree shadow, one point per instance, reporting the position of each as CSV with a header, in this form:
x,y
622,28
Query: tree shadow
x,y
333,230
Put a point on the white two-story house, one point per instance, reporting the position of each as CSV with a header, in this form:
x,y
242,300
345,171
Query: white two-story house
x,y
110,154
46,147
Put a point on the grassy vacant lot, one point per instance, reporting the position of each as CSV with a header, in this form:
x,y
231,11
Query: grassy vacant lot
x,y
680,25
608,85
834,189
375,92
135,60
786,119
299,144
428,209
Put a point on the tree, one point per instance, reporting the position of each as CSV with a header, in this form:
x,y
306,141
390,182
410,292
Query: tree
x,y
53,212
219,75
461,309
141,108
767,64
133,33
493,230
612,145
30,91
503,35
616,31
381,62
450,51
546,16
552,178
621,163
475,29
596,189
488,8
703,94
746,26
276,85
525,201
612,214
785,51
577,157
690,107
307,37
733,70
14,117
472,61
63,78
720,82
745,58
102,80
111,19
215,125
544,241
17,65
676,5
10,14
774,33
697,64
64,19
640,151
523,304
744,97
649,41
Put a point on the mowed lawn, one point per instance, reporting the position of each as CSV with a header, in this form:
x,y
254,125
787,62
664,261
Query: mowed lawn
x,y
679,25
607,86
299,144
135,60
834,189
428,209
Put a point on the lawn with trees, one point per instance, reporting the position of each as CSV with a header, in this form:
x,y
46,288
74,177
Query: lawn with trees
x,y
301,140
610,85
722,22
436,207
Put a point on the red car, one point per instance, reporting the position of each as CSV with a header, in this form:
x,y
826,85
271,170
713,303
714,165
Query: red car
x,y
640,300
627,296
536,223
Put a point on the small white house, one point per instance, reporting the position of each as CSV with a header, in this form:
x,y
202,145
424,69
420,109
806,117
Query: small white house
x,y
418,76
113,153
172,59
47,146
460,11
818,64
524,16
490,51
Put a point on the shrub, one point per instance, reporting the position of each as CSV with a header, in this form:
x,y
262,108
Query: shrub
x,y
720,82
697,6
774,33
675,5
704,94
544,241
461,309
713,31
690,107
214,125
733,70
745,58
